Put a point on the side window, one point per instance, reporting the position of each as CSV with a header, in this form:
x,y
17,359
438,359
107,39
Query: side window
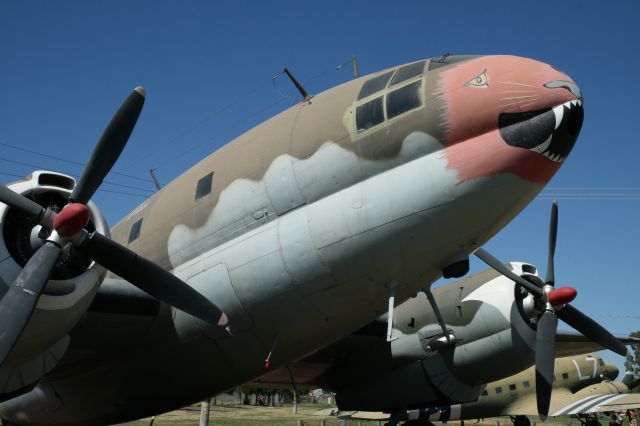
x,y
407,72
565,376
485,393
526,384
512,387
369,114
404,99
499,389
204,186
135,230
374,85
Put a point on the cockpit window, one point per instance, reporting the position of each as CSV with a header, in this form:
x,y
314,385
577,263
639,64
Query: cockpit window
x,y
369,114
404,99
374,85
407,72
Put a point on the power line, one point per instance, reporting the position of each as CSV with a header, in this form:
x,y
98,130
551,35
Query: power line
x,y
75,163
616,316
12,175
100,189
197,125
123,193
228,129
222,132
34,166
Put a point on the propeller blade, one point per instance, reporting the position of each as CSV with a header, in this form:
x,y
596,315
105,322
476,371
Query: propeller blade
x,y
19,202
545,360
487,258
591,329
109,147
553,234
18,303
151,278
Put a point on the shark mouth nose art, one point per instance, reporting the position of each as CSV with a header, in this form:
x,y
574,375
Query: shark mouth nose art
x,y
551,132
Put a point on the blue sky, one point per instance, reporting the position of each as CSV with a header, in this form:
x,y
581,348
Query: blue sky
x,y
208,66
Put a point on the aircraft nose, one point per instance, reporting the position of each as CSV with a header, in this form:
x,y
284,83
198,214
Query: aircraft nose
x,y
509,114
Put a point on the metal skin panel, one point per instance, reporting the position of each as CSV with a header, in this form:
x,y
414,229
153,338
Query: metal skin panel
x,y
300,256
282,186
214,283
32,370
414,206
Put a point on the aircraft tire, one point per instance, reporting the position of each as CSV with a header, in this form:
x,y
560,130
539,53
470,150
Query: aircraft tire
x,y
522,421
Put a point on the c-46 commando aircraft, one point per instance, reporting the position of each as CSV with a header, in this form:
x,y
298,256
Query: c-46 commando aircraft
x,y
285,240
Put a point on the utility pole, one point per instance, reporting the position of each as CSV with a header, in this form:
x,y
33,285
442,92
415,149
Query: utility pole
x,y
295,389
356,74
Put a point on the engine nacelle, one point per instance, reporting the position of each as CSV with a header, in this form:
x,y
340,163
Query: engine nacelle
x,y
74,280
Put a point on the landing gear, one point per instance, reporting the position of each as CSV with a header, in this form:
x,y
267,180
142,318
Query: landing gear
x,y
521,421
589,420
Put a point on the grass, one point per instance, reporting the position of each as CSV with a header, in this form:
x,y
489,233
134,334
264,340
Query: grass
x,y
246,415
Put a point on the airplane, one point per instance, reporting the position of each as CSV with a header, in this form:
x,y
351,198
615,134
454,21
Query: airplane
x,y
583,385
491,327
285,240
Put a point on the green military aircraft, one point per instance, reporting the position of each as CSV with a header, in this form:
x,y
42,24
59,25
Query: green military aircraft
x,y
583,386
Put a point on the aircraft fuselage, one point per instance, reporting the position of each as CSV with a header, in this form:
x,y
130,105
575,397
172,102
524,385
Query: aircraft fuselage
x,y
297,228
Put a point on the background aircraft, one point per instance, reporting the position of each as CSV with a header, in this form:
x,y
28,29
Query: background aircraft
x,y
583,385
314,221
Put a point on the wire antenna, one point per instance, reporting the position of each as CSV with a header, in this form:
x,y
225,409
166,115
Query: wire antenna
x,y
152,172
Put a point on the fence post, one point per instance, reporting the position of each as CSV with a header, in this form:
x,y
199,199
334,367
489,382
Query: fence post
x,y
204,412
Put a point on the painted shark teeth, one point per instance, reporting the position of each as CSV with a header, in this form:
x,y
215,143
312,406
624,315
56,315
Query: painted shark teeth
x,y
558,111
556,158
543,146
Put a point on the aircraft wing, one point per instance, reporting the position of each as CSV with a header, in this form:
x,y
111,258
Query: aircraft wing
x,y
598,403
570,343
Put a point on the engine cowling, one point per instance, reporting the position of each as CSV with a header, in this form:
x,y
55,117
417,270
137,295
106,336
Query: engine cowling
x,y
75,279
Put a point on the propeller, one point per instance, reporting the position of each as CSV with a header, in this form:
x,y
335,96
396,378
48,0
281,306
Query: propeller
x,y
67,227
552,304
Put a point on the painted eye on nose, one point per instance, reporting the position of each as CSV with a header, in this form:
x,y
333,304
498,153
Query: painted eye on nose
x,y
480,81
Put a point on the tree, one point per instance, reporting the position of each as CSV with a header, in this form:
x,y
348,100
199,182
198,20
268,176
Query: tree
x,y
632,363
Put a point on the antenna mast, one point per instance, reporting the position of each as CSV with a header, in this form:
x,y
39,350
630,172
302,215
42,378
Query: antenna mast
x,y
307,97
